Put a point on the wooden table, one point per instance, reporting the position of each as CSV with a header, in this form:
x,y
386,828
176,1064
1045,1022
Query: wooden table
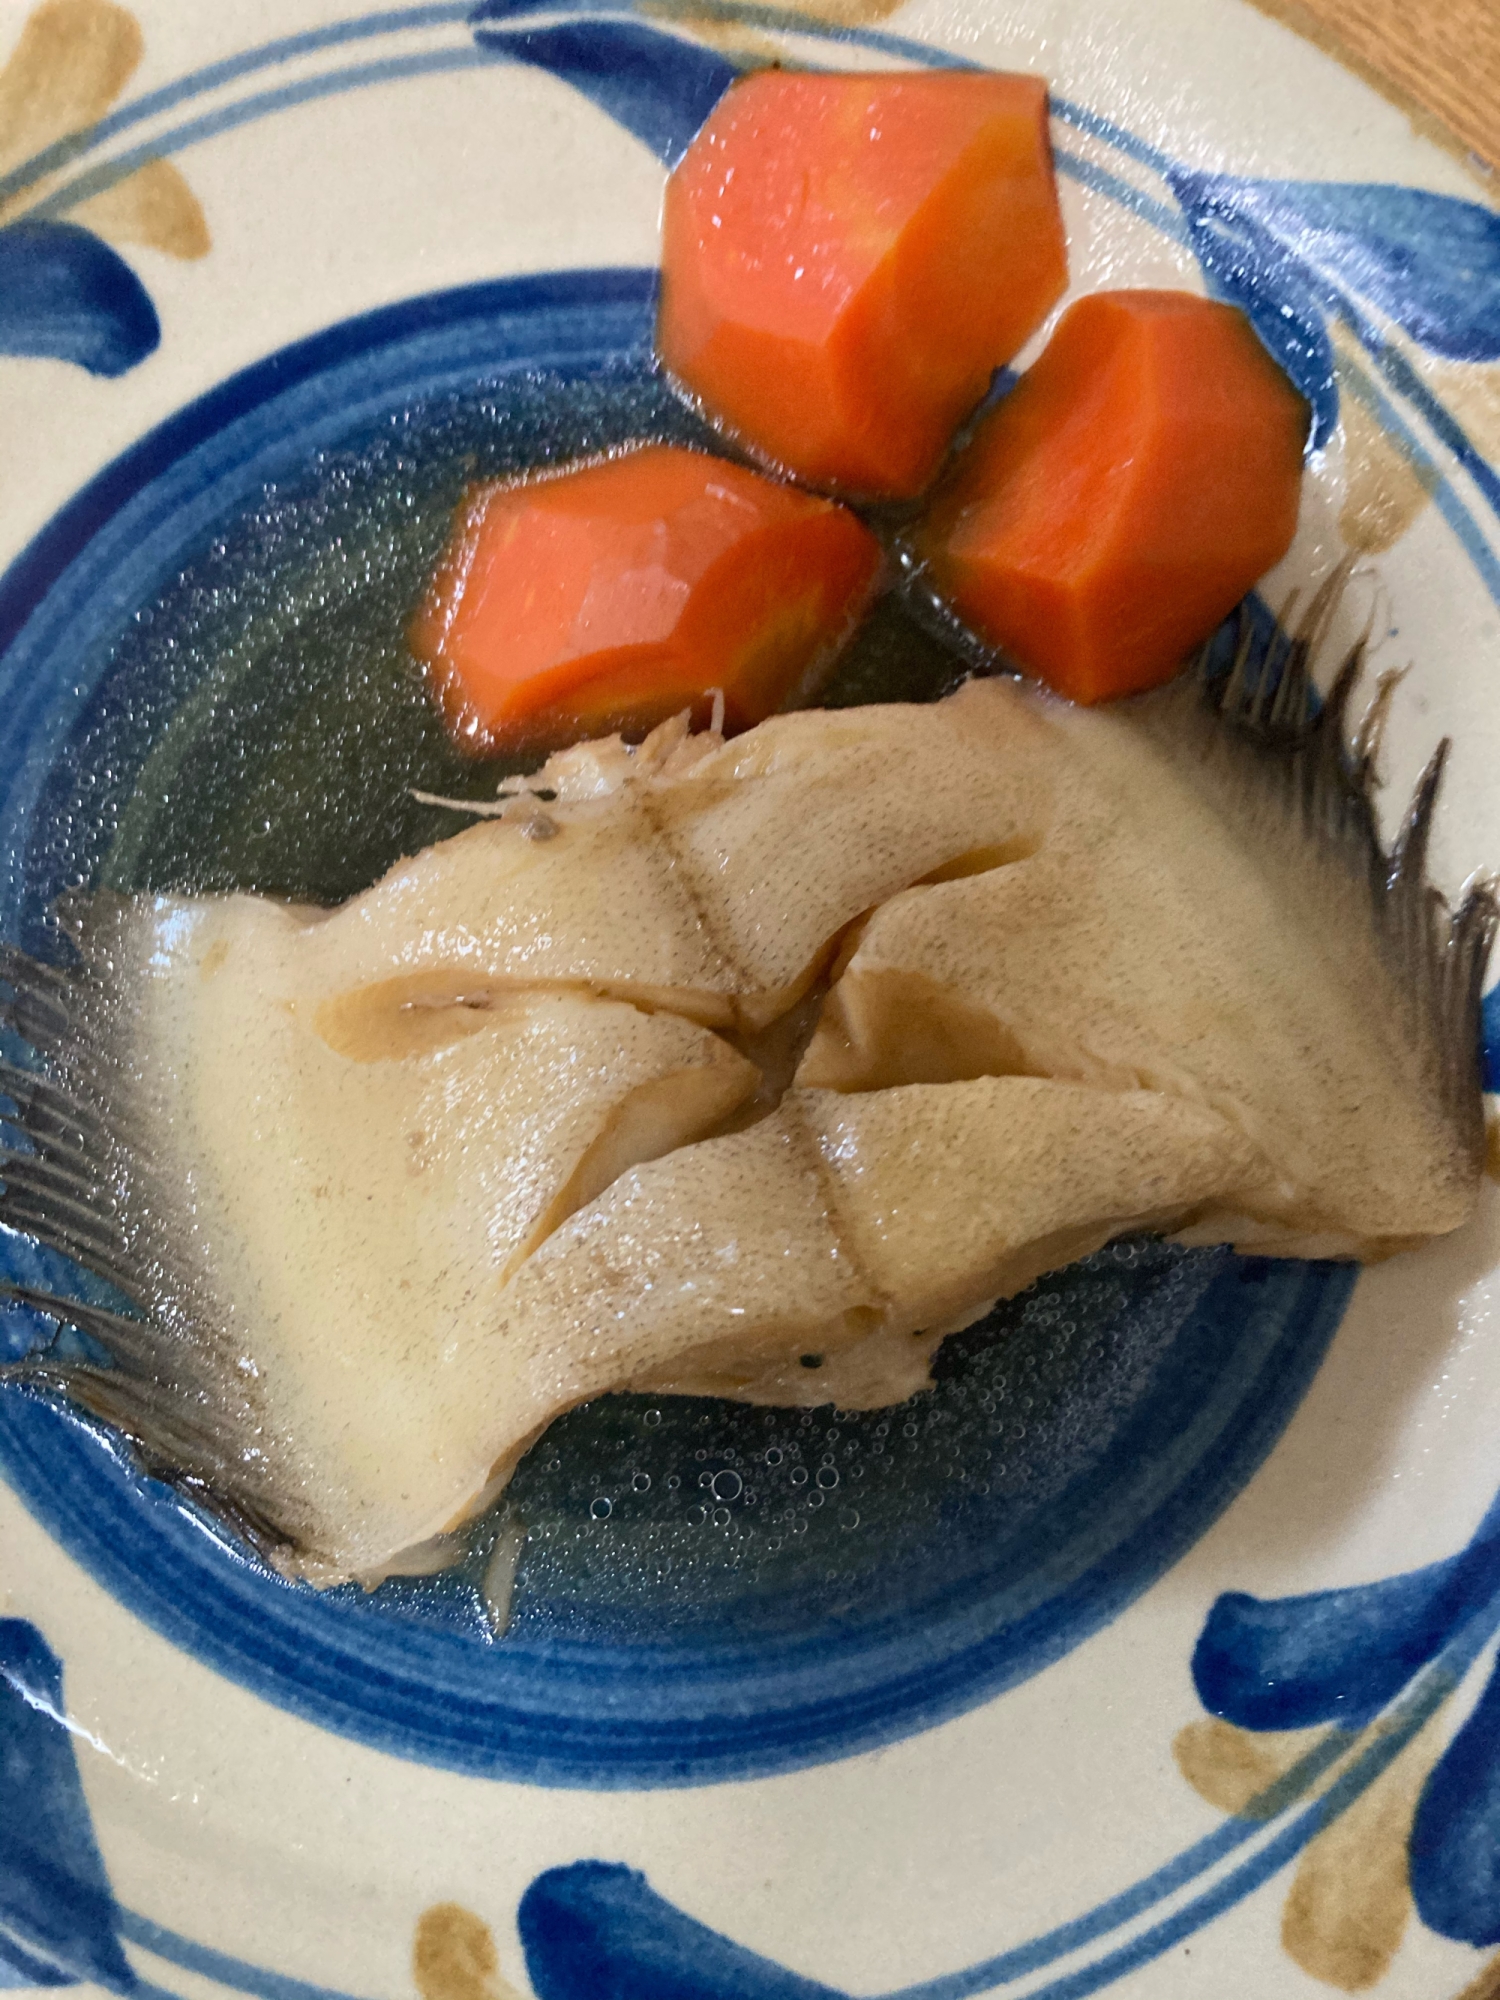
x,y
1437,58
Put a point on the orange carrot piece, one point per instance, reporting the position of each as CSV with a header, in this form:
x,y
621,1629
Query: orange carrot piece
x,y
847,259
614,593
1126,494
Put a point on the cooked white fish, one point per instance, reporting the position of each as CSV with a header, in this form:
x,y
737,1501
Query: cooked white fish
x,y
1170,933
845,1226
711,878
695,1061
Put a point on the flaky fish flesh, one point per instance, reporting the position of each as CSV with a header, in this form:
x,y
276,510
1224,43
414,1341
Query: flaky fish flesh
x,y
687,1063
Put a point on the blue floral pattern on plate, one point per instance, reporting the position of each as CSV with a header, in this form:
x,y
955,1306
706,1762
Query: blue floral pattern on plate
x,y
59,1922
65,294
1341,1656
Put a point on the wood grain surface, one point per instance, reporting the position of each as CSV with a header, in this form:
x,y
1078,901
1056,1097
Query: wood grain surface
x,y
1439,59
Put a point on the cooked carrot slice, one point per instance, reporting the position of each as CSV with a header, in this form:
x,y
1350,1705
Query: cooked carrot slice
x,y
1125,495
847,259
614,593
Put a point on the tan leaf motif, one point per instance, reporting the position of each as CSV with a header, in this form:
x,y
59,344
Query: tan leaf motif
x,y
743,45
1486,1986
1383,491
1230,1767
1350,1901
737,39
849,13
1472,392
71,63
453,1957
155,206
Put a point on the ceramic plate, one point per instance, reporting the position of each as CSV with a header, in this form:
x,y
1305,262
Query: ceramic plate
x,y
1148,1652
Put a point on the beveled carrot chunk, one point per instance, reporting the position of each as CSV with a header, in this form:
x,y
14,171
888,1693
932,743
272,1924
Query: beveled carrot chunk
x,y
847,259
612,594
1126,494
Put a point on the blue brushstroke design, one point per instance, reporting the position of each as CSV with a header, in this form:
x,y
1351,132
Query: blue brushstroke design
x,y
58,1918
1293,254
65,295
571,1904
1445,496
1099,180
597,1931
1251,1875
218,1966
1491,1044
1293,334
1334,1655
1408,384
1083,118
658,86
248,111
1247,266
1491,1059
1476,224
590,1704
1454,1852
213,76
1430,262
1342,1655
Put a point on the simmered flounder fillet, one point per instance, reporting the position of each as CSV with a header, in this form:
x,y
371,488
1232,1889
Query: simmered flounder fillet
x,y
538,1115
845,1226
716,886
356,1211
1171,934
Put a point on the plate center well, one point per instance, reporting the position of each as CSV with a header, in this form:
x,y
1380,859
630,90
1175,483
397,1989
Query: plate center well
x,y
703,1590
